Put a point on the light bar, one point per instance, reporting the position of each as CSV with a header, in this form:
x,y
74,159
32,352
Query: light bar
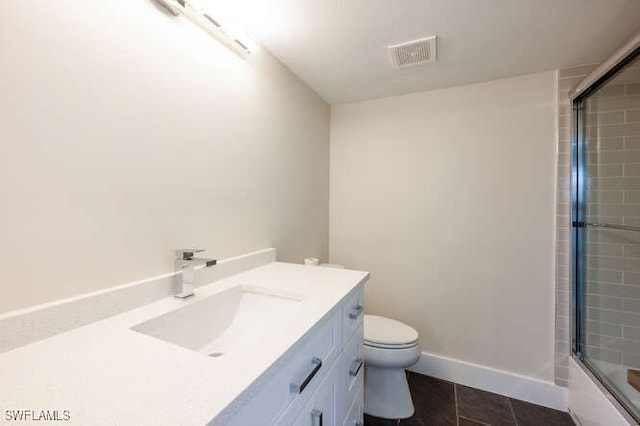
x,y
228,33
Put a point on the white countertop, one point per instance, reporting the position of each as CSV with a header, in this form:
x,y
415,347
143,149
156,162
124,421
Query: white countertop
x,y
105,373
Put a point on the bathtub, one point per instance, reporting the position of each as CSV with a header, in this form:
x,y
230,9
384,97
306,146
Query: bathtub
x,y
617,375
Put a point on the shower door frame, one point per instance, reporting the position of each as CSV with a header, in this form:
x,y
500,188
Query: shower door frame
x,y
577,229
578,95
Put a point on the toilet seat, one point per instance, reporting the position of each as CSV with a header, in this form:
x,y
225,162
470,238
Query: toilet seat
x,y
385,333
383,346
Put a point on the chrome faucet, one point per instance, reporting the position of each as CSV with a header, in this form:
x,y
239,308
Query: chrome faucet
x,y
187,265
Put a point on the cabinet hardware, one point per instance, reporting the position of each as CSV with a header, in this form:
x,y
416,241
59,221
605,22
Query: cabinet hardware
x,y
356,311
316,417
355,368
299,387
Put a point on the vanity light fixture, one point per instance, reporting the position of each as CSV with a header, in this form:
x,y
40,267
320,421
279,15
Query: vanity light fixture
x,y
225,32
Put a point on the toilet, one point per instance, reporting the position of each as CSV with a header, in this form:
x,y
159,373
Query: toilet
x,y
390,346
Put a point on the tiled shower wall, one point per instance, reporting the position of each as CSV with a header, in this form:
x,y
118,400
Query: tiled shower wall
x,y
613,257
567,79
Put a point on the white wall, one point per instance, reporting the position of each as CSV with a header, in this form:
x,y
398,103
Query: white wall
x,y
447,198
126,134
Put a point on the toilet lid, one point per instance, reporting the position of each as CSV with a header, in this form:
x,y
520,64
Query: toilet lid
x,y
385,332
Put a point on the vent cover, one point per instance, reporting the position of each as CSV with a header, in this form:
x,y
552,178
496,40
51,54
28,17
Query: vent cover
x,y
413,52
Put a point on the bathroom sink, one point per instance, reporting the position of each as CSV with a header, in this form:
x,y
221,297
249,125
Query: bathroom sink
x,y
236,319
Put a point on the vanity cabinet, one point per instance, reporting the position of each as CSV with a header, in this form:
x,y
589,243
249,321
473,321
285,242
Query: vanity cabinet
x,y
339,398
319,382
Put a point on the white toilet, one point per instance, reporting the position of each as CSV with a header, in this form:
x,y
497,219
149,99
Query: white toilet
x,y
389,347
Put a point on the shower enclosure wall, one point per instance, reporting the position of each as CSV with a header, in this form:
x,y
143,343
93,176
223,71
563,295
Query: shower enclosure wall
x,y
606,230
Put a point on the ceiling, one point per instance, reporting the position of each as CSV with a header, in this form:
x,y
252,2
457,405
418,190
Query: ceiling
x,y
339,46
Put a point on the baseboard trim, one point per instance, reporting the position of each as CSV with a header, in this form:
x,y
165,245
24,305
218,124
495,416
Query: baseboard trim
x,y
492,380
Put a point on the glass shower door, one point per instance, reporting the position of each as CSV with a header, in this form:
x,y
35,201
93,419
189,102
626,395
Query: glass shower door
x,y
607,233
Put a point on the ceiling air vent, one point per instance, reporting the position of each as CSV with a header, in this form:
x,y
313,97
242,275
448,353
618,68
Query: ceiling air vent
x,y
413,52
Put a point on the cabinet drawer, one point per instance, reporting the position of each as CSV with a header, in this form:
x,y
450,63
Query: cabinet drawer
x,y
352,312
353,364
295,378
321,408
351,375
339,399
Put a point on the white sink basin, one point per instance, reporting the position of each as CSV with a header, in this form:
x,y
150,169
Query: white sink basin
x,y
236,319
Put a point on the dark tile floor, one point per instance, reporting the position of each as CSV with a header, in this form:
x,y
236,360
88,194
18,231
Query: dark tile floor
x,y
441,403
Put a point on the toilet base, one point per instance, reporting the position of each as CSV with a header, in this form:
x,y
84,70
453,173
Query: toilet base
x,y
386,393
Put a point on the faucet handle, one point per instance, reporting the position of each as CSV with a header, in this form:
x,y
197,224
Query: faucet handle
x,y
186,254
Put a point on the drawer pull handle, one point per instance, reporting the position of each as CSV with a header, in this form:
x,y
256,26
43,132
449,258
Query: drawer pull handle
x,y
355,313
316,417
355,368
299,387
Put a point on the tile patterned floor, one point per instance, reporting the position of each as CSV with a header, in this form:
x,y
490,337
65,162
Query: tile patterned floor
x,y
441,403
